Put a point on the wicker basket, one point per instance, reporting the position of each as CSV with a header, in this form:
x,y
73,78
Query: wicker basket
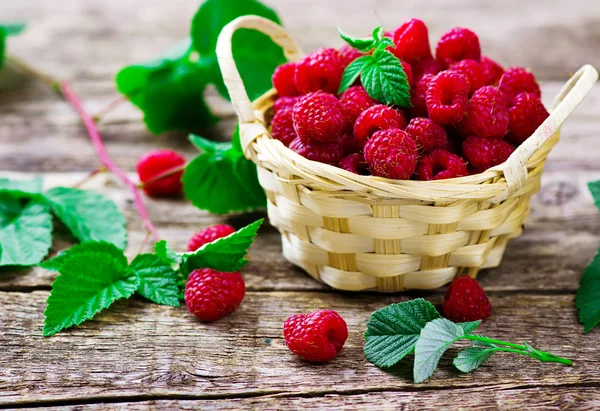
x,y
359,233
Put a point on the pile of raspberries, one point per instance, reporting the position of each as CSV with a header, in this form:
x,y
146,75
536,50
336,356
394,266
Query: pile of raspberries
x,y
468,113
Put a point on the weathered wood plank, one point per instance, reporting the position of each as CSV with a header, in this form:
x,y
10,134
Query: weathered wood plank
x,y
140,349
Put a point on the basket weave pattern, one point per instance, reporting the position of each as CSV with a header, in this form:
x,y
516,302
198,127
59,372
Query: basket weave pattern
x,y
368,233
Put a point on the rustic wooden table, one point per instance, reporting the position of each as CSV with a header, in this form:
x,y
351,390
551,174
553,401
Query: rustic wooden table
x,y
140,355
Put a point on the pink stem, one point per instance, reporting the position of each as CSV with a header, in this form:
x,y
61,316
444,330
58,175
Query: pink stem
x,y
105,159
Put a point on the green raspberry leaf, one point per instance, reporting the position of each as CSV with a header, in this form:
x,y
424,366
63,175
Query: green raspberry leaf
x,y
587,299
393,331
88,215
226,254
25,230
54,264
221,180
158,282
595,190
352,72
88,283
384,79
5,31
21,188
437,336
385,43
471,358
361,44
166,253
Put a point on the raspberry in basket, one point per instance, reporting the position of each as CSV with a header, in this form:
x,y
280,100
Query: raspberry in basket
x,y
392,153
351,144
282,127
483,153
447,97
472,72
491,70
211,294
318,336
439,164
208,235
283,80
426,133
153,164
349,54
354,101
408,72
487,115
355,163
418,97
379,117
328,153
320,71
525,116
283,103
412,42
517,80
430,66
465,300
458,44
319,117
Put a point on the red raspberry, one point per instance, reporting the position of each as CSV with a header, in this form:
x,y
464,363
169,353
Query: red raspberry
x,y
318,336
282,127
319,117
283,103
155,163
525,116
351,144
283,80
355,163
354,101
439,164
320,71
392,153
328,153
458,44
208,235
517,80
472,72
412,42
483,153
379,117
424,67
426,133
465,300
211,294
447,97
349,54
418,97
491,70
487,115
408,71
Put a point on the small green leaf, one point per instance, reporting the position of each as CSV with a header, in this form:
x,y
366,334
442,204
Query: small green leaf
x,y
226,254
352,72
21,188
385,43
88,283
88,215
378,33
362,44
158,281
437,336
595,190
587,299
166,253
25,231
54,264
5,31
393,331
471,358
384,79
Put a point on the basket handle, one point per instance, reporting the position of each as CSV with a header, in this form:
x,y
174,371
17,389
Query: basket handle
x,y
250,127
569,97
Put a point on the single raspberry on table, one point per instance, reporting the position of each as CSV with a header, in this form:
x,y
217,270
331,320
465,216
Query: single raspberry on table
x,y
483,153
465,300
351,144
439,164
282,127
319,116
447,97
355,163
412,42
472,72
408,72
283,80
458,44
153,164
392,153
517,80
208,235
525,116
378,117
426,133
487,115
354,101
418,97
349,54
318,336
491,70
420,69
319,71
283,103
328,153
211,294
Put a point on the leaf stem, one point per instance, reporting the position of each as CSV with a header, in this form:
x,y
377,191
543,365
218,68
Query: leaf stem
x,y
113,104
521,350
90,176
34,73
162,175
105,159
